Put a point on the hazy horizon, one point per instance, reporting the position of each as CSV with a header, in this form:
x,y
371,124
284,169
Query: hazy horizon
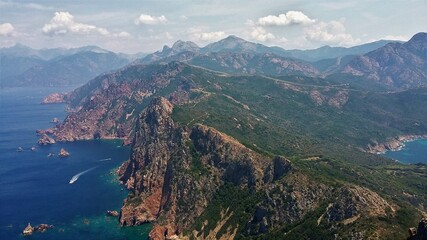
x,y
146,26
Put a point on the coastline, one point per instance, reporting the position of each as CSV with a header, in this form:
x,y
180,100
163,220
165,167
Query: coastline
x,y
394,144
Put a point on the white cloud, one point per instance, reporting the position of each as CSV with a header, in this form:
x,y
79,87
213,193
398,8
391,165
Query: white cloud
x,y
260,34
209,36
122,35
396,37
150,20
63,23
6,29
289,18
34,6
333,32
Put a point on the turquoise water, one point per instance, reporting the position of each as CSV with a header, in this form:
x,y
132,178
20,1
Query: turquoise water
x,y
413,152
35,188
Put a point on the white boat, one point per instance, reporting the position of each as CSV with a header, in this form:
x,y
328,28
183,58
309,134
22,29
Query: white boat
x,y
75,177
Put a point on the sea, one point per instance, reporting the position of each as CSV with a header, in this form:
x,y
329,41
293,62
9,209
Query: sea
x,y
36,189
413,152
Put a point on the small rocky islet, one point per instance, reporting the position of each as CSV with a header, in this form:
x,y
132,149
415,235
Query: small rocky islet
x,y
63,153
29,230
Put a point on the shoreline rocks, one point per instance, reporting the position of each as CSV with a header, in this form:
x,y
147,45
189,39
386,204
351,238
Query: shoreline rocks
x,y
55,120
54,98
44,131
393,144
46,140
112,213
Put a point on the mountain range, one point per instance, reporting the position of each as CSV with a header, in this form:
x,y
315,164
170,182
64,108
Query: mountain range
x,y
238,140
394,65
23,66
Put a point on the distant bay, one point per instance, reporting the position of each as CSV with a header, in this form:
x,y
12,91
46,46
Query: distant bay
x,y
35,188
413,152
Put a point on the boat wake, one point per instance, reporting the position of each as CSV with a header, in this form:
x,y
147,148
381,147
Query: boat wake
x,y
103,160
75,177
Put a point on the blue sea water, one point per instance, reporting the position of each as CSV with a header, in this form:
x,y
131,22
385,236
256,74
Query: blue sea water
x,y
35,188
413,152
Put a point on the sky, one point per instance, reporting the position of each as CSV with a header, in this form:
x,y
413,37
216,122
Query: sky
x,y
147,25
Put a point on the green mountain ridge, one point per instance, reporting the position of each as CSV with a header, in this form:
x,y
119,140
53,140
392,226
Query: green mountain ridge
x,y
321,127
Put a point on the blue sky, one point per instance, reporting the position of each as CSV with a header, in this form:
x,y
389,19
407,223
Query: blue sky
x,y
145,26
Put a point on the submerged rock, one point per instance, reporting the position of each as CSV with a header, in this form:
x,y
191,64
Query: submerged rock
x,y
63,153
55,120
42,227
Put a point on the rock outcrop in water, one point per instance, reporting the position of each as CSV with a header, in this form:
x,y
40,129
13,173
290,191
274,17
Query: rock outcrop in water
x,y
63,153
112,213
176,173
55,98
393,144
29,230
46,140
108,106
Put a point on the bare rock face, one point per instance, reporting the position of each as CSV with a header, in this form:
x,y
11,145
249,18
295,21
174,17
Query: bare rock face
x,y
109,105
353,202
173,167
174,173
399,65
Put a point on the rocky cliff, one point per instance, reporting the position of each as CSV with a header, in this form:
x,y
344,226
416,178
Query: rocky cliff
x,y
107,106
179,178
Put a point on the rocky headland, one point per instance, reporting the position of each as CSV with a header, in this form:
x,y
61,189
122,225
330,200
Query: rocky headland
x,y
55,98
175,172
393,144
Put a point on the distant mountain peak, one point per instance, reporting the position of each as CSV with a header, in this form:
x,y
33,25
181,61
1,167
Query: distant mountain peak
x,y
419,39
181,46
419,36
234,38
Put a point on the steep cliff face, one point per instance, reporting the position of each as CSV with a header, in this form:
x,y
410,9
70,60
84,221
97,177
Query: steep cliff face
x,y
179,178
107,106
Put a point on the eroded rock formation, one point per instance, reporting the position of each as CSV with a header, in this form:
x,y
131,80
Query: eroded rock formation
x,y
174,173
